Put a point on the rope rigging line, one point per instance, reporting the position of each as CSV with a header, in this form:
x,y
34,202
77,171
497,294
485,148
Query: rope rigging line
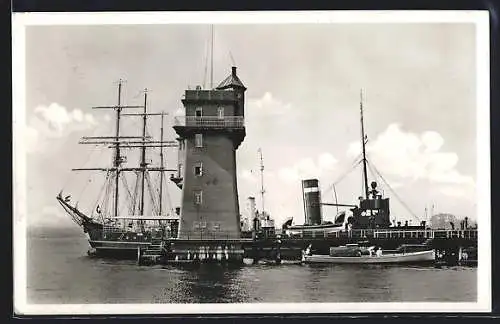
x,y
92,151
88,182
166,192
83,189
151,193
156,188
107,195
130,201
342,178
91,177
170,205
100,192
126,187
370,165
354,164
136,192
89,155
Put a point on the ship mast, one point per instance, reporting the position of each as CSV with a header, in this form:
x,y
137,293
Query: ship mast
x,y
363,145
143,153
115,142
117,160
262,191
119,143
212,57
161,163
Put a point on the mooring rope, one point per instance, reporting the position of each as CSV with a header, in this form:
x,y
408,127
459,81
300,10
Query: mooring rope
x,y
354,164
393,191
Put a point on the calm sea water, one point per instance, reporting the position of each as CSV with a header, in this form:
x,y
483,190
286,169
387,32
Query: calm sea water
x,y
59,271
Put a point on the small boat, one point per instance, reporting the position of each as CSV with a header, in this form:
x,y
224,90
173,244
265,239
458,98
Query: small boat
x,y
350,254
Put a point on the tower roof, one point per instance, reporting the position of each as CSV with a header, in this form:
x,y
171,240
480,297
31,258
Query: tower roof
x,y
232,81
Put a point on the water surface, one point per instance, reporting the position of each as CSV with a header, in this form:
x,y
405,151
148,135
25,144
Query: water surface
x,y
59,271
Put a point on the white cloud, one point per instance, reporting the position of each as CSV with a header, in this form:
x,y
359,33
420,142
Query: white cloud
x,y
269,105
179,112
248,175
58,118
326,161
308,168
54,122
456,191
412,156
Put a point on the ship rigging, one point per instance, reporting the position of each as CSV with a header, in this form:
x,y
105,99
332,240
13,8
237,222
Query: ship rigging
x,y
105,223
372,210
368,165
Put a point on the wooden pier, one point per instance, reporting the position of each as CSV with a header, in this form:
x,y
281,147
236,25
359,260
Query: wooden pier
x,y
449,245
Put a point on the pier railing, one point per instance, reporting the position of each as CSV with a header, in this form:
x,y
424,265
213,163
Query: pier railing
x,y
208,236
210,121
470,234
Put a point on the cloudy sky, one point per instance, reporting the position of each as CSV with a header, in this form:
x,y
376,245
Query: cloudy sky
x,y
302,104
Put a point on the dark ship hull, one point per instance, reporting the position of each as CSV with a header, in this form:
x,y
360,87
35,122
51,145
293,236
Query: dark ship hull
x,y
103,242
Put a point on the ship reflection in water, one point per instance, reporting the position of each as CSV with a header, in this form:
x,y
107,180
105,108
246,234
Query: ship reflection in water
x,y
58,272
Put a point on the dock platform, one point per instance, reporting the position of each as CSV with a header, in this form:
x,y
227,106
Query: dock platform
x,y
449,243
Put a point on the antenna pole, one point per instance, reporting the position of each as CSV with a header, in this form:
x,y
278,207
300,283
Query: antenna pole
x,y
143,155
212,57
117,160
207,50
161,162
262,191
232,58
363,145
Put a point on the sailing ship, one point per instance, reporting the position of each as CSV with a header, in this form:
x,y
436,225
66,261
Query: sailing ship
x,y
109,231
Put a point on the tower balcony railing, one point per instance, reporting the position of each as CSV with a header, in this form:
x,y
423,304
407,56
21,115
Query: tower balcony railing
x,y
210,121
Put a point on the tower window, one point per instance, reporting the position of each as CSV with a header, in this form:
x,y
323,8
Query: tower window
x,y
198,169
220,112
199,112
198,197
198,140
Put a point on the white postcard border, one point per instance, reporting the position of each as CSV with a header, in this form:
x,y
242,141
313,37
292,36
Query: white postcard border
x,y
479,18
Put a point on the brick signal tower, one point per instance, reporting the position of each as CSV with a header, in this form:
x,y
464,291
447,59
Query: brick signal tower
x,y
209,134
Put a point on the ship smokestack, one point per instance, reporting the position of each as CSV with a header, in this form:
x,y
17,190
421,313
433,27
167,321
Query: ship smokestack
x,y
312,201
233,71
251,201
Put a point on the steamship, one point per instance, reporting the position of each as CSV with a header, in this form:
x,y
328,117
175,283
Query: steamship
x,y
372,212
